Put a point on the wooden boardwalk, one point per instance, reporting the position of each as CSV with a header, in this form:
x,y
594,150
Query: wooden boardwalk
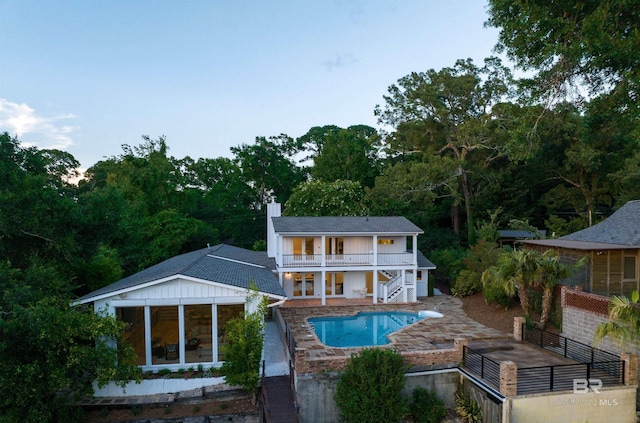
x,y
279,403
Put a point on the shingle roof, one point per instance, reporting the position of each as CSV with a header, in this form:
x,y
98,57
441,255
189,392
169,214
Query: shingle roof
x,y
423,262
344,224
221,263
622,228
513,233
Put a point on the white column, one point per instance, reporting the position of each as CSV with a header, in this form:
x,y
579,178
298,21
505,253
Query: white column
x,y
375,286
214,335
415,249
323,251
324,286
147,335
375,250
403,275
181,346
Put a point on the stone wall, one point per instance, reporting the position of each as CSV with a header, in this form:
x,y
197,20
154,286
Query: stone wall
x,y
315,392
417,360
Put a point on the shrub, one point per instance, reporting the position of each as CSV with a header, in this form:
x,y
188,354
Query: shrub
x,y
492,291
425,407
468,410
449,262
245,334
370,388
467,283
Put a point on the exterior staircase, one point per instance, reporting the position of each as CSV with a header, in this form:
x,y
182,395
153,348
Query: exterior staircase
x,y
392,289
278,400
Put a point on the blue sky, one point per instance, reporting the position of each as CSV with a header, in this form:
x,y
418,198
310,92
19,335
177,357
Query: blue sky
x,y
87,76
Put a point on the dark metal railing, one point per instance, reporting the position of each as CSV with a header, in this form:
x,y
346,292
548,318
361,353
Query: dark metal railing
x,y
263,401
561,377
482,366
566,347
291,343
601,367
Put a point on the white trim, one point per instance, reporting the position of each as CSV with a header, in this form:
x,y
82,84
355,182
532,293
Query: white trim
x,y
171,278
236,261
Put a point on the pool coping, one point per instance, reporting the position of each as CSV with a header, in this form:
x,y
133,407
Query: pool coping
x,y
362,314
433,343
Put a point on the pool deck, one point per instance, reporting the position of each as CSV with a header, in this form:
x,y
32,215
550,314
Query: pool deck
x,y
424,335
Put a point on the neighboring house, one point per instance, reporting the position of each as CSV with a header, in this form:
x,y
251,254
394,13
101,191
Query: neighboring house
x,y
612,247
513,236
347,257
176,311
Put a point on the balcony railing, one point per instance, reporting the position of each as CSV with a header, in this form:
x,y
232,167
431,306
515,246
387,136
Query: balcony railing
x,y
341,260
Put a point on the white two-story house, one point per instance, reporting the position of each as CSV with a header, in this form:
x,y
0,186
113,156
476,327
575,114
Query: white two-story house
x,y
347,257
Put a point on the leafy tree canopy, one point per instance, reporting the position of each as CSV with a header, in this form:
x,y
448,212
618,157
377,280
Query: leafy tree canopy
x,y
573,43
319,198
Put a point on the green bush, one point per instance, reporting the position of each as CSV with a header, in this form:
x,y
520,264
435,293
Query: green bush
x,y
449,263
492,291
370,388
425,407
467,283
245,333
468,410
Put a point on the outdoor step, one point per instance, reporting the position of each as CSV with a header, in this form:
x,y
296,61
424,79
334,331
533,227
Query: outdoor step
x,y
281,406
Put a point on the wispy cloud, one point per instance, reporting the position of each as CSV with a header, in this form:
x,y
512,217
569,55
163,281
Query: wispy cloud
x,y
33,129
339,61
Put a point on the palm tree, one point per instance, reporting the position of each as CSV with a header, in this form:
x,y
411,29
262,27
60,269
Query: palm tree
x,y
548,273
520,270
624,320
514,272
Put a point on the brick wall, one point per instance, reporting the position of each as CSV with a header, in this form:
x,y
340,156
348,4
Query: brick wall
x,y
582,312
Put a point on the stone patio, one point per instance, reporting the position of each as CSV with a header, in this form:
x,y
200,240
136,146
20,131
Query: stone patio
x,y
425,335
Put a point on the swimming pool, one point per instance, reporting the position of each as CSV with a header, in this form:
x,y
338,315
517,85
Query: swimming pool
x,y
361,330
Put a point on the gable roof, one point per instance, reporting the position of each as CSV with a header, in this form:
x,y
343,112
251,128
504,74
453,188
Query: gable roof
x,y
221,263
619,231
622,227
344,224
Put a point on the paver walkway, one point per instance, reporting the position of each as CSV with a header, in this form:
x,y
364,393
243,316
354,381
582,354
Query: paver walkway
x,y
274,352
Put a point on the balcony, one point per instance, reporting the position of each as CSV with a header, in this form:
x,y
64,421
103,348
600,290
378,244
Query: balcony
x,y
345,260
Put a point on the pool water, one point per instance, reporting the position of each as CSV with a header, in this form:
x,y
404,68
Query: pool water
x,y
361,330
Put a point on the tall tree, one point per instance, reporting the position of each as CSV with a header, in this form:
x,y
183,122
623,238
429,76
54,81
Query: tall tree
x,y
573,43
448,113
38,209
347,154
269,167
52,352
319,198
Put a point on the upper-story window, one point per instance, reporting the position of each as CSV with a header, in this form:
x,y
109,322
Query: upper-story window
x,y
385,241
303,245
334,245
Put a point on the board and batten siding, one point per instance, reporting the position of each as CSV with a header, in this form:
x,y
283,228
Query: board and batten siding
x,y
179,291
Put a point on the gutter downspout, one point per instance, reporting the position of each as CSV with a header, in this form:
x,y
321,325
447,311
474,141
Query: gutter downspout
x,y
278,303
